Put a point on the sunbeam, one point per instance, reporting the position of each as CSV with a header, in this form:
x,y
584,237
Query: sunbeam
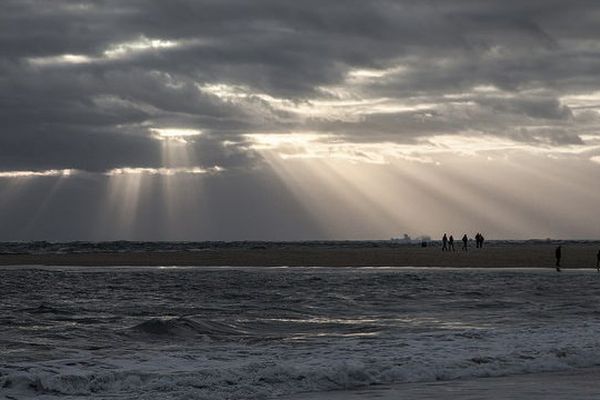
x,y
120,215
56,185
467,194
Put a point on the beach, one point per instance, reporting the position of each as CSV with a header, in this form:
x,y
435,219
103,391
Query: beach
x,y
323,254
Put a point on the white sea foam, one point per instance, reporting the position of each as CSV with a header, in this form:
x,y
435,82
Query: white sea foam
x,y
284,371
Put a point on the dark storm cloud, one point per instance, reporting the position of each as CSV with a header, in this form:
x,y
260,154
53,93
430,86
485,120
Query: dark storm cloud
x,y
95,113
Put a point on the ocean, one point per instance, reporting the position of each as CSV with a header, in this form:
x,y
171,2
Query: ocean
x,y
269,333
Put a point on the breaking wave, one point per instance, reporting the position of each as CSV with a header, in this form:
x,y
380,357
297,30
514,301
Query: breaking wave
x,y
240,334
181,376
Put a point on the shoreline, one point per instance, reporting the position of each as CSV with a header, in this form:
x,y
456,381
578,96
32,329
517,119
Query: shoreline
x,y
573,384
540,255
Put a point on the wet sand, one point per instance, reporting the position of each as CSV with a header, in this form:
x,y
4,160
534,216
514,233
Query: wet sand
x,y
566,385
539,255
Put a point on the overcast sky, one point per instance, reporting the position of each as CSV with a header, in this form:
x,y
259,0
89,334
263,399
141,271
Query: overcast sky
x,y
285,120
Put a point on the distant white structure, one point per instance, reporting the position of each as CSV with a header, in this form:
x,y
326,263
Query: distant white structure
x,y
408,240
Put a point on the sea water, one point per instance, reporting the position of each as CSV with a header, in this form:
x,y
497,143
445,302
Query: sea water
x,y
261,333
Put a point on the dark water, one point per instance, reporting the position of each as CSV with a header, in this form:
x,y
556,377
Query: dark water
x,y
230,333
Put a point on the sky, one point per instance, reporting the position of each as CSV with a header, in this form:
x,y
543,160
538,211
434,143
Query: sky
x,y
293,120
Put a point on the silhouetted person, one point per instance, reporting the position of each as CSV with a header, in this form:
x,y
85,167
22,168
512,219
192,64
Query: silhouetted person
x,y
558,255
445,243
598,261
451,243
479,240
465,241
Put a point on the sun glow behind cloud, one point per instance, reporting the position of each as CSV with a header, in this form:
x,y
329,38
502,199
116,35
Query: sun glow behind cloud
x,y
61,59
174,134
163,171
115,51
30,174
142,44
346,104
361,75
424,150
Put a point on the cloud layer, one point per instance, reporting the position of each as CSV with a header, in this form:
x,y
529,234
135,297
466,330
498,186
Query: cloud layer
x,y
84,82
86,85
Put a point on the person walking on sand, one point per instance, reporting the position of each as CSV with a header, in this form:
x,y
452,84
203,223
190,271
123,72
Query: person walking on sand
x,y
451,243
481,239
445,243
465,241
558,255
